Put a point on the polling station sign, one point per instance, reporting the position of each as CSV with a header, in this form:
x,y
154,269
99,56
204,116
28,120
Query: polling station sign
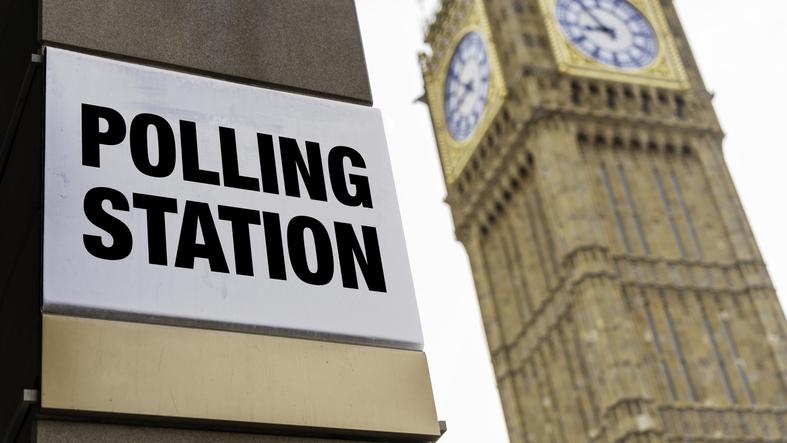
x,y
174,197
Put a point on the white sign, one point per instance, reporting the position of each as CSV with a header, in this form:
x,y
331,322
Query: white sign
x,y
174,197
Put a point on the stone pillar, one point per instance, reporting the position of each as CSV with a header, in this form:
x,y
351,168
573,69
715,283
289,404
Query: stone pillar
x,y
310,46
562,180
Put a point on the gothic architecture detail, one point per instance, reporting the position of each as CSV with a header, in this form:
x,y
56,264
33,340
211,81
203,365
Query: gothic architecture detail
x,y
623,294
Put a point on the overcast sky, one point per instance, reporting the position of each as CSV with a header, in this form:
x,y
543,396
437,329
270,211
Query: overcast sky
x,y
740,49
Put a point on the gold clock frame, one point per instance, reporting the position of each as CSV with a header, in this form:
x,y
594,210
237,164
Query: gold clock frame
x,y
666,70
455,154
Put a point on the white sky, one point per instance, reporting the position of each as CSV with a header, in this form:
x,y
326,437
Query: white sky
x,y
740,49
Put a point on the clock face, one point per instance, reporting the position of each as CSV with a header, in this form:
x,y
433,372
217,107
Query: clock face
x,y
466,86
612,32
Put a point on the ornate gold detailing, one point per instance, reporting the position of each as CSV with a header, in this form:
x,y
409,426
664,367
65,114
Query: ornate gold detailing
x,y
666,71
455,154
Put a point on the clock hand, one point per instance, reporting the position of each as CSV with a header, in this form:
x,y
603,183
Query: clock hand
x,y
462,100
604,29
467,89
601,25
468,92
590,13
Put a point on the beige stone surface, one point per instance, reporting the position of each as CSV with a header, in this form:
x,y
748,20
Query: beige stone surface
x,y
49,431
118,367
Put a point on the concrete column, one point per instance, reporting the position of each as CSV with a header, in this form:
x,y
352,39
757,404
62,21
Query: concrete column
x,y
310,47
49,431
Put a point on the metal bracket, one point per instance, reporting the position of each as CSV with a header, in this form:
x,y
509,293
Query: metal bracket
x,y
30,396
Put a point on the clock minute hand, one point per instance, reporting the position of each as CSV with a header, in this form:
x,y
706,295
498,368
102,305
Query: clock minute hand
x,y
468,91
464,89
601,26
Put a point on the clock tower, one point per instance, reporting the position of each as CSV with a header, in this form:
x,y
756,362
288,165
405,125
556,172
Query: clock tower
x,y
623,294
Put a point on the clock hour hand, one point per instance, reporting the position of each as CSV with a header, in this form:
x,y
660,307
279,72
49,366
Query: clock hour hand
x,y
604,29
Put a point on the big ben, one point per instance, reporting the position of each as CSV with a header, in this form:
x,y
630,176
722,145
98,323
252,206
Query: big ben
x,y
622,292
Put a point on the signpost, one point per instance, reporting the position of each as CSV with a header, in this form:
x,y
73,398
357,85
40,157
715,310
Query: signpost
x,y
202,240
176,198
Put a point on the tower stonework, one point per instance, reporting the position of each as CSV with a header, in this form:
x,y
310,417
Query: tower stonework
x,y
622,291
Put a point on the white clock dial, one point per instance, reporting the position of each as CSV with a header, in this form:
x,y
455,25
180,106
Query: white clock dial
x,y
466,86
